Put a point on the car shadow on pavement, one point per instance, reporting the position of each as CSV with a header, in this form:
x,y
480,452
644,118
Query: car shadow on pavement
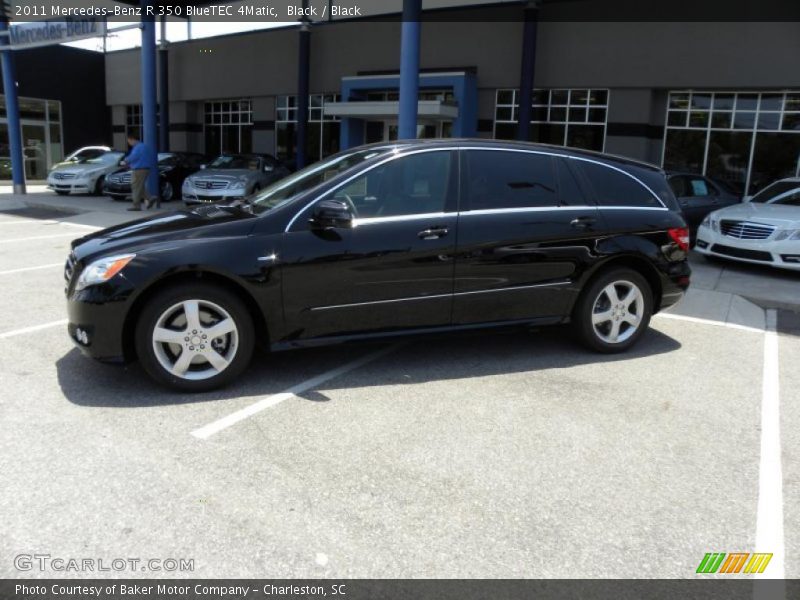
x,y
455,357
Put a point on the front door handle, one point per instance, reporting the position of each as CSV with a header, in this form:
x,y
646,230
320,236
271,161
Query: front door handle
x,y
433,233
583,222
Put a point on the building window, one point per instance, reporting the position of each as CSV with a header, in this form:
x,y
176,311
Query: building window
x,y
744,139
42,145
575,118
229,126
322,131
133,120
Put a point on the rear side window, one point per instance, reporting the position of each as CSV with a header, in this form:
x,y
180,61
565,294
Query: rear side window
x,y
614,188
505,179
700,187
678,185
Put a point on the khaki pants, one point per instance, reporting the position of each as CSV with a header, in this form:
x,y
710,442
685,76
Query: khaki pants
x,y
138,186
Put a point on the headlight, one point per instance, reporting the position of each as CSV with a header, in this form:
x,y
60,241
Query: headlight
x,y
102,270
787,234
187,184
711,223
239,185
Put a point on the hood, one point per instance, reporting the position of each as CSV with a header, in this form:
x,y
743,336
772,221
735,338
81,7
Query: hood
x,y
781,215
224,174
209,221
77,168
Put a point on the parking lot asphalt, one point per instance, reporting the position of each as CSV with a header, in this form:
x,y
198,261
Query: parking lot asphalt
x,y
499,454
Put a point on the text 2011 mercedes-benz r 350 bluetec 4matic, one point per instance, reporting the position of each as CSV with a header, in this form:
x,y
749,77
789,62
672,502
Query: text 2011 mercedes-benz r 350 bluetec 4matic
x,y
382,240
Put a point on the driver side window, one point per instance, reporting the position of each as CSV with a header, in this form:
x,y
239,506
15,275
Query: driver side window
x,y
409,185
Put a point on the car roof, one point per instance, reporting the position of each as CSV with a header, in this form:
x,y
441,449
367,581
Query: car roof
x,y
512,144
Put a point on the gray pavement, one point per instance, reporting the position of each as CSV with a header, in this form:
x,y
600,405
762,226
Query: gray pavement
x,y
509,454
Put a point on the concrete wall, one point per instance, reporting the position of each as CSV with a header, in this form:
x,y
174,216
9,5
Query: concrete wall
x,y
638,62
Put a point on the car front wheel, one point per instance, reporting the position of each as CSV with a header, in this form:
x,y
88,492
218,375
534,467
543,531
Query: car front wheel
x,y
614,311
195,338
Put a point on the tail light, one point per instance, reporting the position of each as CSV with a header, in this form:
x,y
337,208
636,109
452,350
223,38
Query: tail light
x,y
680,235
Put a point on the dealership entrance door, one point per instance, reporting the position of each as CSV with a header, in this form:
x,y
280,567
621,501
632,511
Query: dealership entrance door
x,y
385,130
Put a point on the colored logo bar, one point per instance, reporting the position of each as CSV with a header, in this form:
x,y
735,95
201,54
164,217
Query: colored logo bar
x,y
735,562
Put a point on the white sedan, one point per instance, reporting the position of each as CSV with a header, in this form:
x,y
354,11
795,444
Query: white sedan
x,y
764,231
84,176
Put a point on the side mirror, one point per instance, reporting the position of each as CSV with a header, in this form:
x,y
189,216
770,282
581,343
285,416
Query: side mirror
x,y
331,214
268,168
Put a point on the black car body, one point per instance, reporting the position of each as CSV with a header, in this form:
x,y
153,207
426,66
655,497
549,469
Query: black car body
x,y
698,195
412,236
173,168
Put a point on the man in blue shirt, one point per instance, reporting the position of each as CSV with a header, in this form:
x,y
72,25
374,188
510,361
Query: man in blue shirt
x,y
139,160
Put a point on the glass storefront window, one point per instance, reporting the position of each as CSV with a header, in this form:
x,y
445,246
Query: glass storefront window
x,y
747,139
574,117
228,126
40,127
322,131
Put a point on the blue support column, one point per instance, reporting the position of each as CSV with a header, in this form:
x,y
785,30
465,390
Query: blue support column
x,y
149,101
163,89
12,112
409,70
527,71
303,76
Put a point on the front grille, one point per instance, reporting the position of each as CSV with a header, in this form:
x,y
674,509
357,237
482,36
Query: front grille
x,y
124,178
744,230
210,184
63,175
742,253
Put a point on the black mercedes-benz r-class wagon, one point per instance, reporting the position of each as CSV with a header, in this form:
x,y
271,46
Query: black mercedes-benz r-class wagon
x,y
382,240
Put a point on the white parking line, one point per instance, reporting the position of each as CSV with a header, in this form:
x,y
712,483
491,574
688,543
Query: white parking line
x,y
207,431
22,270
708,322
27,221
15,332
38,237
769,522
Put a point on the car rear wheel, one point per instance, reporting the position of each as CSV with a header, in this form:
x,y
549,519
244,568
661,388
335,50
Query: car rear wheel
x,y
166,191
614,311
195,338
98,186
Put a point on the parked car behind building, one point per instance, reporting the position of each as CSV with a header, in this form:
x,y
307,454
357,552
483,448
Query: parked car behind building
x,y
765,230
173,168
84,176
698,195
232,177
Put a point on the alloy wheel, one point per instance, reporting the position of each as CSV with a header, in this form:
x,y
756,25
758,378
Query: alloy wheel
x,y
195,339
617,311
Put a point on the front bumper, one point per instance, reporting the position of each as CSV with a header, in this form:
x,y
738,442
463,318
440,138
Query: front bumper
x,y
117,190
71,187
96,318
212,196
783,255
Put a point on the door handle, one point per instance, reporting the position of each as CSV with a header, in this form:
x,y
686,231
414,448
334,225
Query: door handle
x,y
433,233
583,222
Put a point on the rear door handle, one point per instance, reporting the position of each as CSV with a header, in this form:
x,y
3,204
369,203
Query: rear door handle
x,y
433,233
583,222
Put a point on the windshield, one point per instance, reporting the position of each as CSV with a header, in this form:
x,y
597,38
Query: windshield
x,y
109,158
769,193
310,177
236,161
167,159
86,154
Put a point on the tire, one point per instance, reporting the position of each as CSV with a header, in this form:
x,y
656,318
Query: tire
x,y
98,186
62,193
166,312
167,192
627,322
